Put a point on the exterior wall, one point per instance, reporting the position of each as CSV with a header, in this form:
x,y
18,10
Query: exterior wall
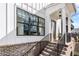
x,y
10,15
46,14
10,37
2,20
7,18
8,24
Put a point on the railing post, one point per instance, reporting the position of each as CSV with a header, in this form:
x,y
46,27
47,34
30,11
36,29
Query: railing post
x,y
65,38
39,47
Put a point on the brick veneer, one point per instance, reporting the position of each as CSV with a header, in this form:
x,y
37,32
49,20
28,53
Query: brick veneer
x,y
14,50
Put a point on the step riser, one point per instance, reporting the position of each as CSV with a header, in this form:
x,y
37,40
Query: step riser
x,y
52,50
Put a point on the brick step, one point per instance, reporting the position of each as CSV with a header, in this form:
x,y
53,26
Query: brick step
x,y
53,49
48,49
51,52
44,53
54,44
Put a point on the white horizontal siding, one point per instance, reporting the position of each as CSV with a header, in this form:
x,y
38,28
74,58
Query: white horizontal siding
x,y
2,20
11,37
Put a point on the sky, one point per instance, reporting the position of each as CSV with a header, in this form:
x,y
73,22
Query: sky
x,y
75,18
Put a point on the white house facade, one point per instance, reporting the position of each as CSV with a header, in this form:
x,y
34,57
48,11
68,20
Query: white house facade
x,y
28,23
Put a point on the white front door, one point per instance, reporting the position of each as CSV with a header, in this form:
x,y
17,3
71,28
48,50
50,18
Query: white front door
x,y
53,30
58,28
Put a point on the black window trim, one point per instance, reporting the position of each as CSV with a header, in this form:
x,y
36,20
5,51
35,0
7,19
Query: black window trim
x,y
30,25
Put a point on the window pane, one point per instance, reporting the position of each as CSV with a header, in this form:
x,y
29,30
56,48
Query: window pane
x,y
33,18
41,24
20,29
36,19
19,12
41,31
26,27
41,20
33,28
33,23
23,15
19,19
26,20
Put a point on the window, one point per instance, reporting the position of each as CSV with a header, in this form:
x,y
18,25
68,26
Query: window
x,y
29,24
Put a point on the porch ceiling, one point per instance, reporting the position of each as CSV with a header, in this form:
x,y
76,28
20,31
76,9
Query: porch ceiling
x,y
55,15
70,7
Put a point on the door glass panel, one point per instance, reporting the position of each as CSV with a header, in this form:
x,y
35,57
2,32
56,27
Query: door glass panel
x,y
53,29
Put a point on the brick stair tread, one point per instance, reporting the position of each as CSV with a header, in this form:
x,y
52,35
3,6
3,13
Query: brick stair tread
x,y
45,53
52,48
48,49
52,44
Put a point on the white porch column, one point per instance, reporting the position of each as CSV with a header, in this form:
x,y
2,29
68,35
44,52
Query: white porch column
x,y
69,24
64,22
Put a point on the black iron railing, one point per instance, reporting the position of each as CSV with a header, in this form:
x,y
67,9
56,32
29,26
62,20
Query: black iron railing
x,y
60,44
38,47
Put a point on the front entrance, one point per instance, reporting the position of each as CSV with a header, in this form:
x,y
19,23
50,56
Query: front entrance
x,y
56,25
56,30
